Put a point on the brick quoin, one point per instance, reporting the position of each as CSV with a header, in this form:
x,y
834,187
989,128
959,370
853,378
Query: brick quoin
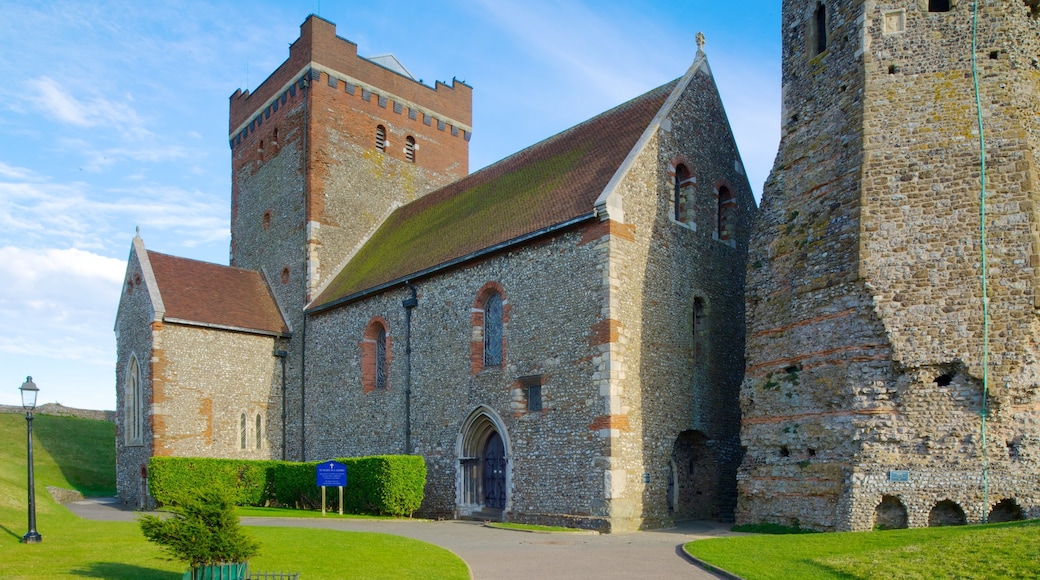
x,y
607,228
605,331
619,422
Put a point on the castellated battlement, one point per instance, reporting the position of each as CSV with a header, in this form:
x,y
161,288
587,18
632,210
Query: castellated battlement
x,y
319,47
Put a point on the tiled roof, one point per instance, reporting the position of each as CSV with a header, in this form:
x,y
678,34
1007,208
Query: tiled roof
x,y
550,183
211,294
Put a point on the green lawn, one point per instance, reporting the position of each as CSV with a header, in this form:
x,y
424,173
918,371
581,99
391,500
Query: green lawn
x,y
78,454
991,551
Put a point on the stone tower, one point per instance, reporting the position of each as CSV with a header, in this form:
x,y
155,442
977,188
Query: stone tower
x,y
867,366
322,151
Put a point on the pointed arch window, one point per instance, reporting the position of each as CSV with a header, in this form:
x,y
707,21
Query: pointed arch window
x,y
381,359
493,330
133,404
259,432
375,356
381,137
242,436
409,149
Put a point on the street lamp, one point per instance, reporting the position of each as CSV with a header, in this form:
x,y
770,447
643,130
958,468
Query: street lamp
x,y
29,391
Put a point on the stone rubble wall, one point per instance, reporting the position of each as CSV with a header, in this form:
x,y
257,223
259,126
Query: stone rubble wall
x,y
671,379
136,337
552,298
864,300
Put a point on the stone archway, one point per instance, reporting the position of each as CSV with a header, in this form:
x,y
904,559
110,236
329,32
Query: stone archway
x,y
1006,510
484,472
890,514
693,489
946,513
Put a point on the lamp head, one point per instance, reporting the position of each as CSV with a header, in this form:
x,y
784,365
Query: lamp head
x,y
29,391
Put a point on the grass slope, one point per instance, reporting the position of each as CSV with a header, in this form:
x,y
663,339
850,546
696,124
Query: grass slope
x,y
79,454
1009,550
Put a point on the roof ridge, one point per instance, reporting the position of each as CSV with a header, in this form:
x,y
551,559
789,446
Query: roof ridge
x,y
550,182
206,262
559,135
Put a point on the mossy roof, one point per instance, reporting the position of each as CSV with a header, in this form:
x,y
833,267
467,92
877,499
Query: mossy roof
x,y
215,295
553,182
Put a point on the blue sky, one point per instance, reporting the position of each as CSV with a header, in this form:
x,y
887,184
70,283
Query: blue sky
x,y
113,115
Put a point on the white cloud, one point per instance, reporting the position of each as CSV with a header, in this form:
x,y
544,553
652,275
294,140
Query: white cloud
x,y
52,99
12,172
78,215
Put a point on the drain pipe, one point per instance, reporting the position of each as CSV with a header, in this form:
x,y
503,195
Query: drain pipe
x,y
303,390
306,291
409,304
282,354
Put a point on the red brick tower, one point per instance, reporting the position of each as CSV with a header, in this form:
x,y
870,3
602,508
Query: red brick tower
x,y
322,151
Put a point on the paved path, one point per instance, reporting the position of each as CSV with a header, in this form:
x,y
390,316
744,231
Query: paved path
x,y
505,554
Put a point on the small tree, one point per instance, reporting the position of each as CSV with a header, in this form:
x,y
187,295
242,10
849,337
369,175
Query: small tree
x,y
203,531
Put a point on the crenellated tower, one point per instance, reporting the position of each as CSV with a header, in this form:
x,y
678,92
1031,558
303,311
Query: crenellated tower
x,y
872,380
322,151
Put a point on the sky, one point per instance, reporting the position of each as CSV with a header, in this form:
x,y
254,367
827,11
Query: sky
x,y
114,116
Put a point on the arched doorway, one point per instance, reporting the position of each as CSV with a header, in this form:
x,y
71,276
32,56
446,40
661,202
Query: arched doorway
x,y
693,478
484,475
494,473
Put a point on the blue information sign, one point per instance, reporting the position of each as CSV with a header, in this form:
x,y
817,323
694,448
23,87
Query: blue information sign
x,y
331,474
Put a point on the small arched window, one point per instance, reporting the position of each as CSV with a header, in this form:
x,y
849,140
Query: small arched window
x,y
409,149
381,358
242,432
938,5
381,137
679,199
259,432
132,405
493,330
727,213
375,356
820,28
699,329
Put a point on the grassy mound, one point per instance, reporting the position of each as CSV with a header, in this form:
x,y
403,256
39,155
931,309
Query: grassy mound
x,y
79,454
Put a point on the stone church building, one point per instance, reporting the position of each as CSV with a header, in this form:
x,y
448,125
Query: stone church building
x,y
562,334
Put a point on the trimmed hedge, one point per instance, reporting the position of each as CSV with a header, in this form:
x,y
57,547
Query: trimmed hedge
x,y
381,484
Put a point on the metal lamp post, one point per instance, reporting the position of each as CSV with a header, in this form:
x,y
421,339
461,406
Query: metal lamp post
x,y
29,391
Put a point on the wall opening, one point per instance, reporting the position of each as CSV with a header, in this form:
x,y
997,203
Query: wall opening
x,y
727,216
693,482
680,201
946,513
938,5
1006,510
890,514
820,29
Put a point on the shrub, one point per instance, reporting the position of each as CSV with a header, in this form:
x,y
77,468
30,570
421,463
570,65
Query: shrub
x,y
383,484
204,530
243,482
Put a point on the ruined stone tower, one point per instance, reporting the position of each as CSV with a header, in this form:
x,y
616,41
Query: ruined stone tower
x,y
322,151
866,367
